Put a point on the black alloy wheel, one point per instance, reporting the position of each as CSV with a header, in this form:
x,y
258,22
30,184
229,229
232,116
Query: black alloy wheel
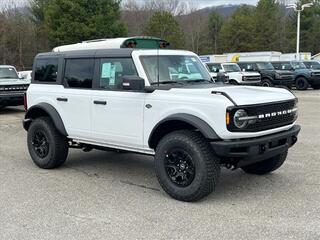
x,y
180,167
40,144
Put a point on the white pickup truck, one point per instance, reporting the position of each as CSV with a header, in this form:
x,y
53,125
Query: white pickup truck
x,y
234,73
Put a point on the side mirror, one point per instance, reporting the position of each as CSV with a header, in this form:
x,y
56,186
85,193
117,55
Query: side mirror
x,y
133,83
243,69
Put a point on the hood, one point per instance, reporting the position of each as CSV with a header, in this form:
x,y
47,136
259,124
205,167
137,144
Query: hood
x,y
240,95
246,95
5,81
284,72
249,74
315,71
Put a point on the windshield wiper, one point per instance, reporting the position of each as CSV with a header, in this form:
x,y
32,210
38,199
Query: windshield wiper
x,y
166,82
199,80
7,77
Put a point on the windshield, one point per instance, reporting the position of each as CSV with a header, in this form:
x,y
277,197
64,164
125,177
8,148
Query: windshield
x,y
265,66
298,65
231,68
312,65
8,73
174,68
214,67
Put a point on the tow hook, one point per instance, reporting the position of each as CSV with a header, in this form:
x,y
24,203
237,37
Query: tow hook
x,y
294,140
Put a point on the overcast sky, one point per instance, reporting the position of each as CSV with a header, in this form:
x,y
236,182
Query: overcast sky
x,y
202,3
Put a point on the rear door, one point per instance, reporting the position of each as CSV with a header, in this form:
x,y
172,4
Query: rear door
x,y
75,100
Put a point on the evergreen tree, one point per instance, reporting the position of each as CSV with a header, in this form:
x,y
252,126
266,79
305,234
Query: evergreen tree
x,y
71,21
267,25
164,25
215,23
237,34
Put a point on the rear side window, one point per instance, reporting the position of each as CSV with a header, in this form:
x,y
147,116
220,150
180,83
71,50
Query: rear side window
x,y
79,73
46,70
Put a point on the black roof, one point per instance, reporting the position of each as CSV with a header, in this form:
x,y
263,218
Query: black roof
x,y
119,52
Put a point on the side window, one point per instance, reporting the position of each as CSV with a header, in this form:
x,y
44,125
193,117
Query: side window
x,y
79,73
113,69
46,70
276,66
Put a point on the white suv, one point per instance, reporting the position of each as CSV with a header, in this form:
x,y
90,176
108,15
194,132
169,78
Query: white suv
x,y
234,73
12,88
130,100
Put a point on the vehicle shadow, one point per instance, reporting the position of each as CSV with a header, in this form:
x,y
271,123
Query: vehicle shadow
x,y
12,110
137,170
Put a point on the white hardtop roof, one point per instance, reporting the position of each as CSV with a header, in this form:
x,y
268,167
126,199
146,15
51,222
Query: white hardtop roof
x,y
94,44
7,66
107,43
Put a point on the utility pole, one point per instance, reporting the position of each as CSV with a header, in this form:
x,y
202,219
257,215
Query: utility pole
x,y
299,9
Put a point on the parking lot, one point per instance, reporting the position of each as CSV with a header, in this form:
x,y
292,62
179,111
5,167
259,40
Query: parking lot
x,y
104,195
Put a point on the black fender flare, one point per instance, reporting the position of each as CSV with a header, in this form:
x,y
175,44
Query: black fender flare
x,y
206,130
35,110
268,78
302,76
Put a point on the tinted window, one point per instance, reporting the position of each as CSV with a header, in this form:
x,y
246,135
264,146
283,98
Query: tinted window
x,y
8,73
46,70
79,73
113,69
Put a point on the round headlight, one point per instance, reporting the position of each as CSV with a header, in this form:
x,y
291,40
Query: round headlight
x,y
237,119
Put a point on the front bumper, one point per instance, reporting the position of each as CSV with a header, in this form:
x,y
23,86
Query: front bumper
x,y
250,83
12,99
248,151
314,80
284,82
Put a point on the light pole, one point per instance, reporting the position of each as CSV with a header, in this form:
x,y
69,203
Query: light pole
x,y
299,9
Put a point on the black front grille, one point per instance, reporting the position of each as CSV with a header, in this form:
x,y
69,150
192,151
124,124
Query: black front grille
x,y
268,122
13,88
253,78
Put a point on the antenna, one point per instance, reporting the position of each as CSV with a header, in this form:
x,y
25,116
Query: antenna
x,y
158,66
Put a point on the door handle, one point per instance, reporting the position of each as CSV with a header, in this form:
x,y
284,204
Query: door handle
x,y
100,102
62,99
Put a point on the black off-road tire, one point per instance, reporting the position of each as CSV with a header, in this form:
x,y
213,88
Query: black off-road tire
x,y
302,83
266,166
206,171
233,82
316,87
266,83
58,148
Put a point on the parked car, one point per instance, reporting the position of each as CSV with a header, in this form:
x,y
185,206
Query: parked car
x,y
269,75
127,100
312,64
217,74
236,76
303,77
12,88
25,75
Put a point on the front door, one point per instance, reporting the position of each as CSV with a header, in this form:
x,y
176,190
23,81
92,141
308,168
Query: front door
x,y
117,115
